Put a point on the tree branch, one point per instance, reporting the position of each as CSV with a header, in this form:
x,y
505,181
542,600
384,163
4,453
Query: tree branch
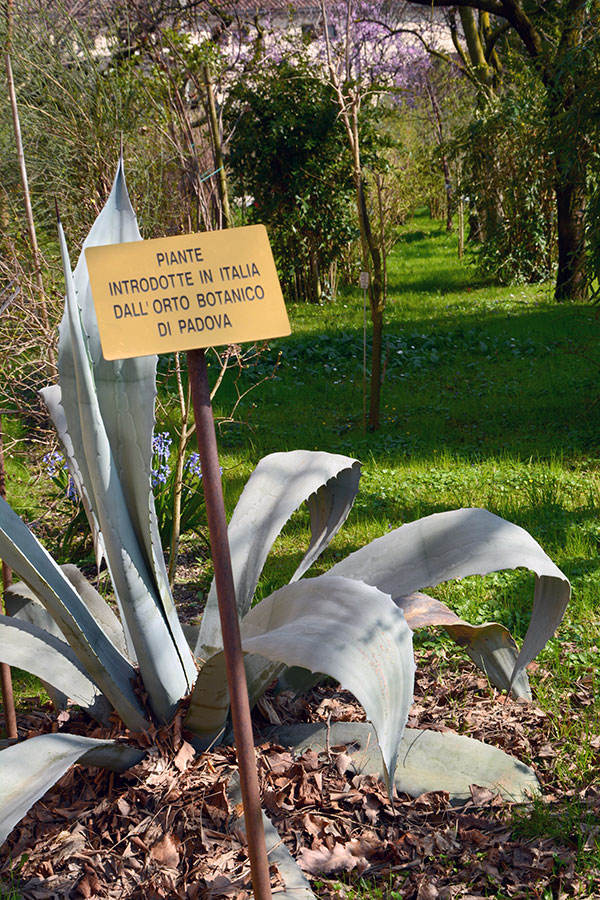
x,y
511,10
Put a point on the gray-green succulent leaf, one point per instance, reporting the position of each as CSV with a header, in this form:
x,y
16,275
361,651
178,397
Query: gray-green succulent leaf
x,y
337,626
37,764
103,662
106,411
21,602
455,544
428,760
281,482
34,650
491,646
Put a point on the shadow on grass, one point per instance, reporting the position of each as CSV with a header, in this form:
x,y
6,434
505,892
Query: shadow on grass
x,y
475,386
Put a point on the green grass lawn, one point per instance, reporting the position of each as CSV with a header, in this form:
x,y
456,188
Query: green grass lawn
x,y
490,399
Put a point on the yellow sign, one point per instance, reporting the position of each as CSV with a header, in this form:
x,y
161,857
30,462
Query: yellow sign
x,y
185,292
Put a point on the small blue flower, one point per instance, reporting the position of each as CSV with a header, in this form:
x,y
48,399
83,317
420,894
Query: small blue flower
x,y
193,465
161,445
51,461
160,475
72,491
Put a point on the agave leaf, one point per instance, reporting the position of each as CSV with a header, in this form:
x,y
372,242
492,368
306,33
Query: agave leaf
x,y
97,605
297,680
115,223
30,768
98,655
343,628
456,544
126,391
77,464
209,704
30,648
428,760
295,884
208,712
160,661
22,602
491,646
280,483
260,673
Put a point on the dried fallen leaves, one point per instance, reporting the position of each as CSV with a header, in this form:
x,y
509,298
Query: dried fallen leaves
x,y
165,829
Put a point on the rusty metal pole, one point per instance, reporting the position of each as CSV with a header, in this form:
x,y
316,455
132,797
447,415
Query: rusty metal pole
x,y
8,700
232,645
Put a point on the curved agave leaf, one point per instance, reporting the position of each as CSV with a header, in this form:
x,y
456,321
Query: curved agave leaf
x,y
160,657
98,655
280,483
343,628
428,760
30,768
126,391
34,650
115,223
297,680
23,603
491,646
456,544
76,463
295,884
97,605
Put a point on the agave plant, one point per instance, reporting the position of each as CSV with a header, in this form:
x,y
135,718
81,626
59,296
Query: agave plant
x,y
354,623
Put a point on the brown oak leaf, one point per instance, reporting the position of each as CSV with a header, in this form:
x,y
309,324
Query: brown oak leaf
x,y
166,851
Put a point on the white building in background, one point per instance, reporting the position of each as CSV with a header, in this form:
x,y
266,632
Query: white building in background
x,y
420,24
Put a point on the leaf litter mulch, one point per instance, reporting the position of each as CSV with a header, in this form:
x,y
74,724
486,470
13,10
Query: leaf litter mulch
x,y
166,828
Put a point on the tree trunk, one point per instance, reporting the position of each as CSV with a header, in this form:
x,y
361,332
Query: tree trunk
x,y
376,354
571,281
217,148
372,253
316,291
439,127
349,105
570,168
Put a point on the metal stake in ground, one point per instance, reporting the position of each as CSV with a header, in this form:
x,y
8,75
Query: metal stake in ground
x,y
8,702
232,645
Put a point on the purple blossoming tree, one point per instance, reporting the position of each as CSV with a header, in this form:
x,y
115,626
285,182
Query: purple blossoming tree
x,y
368,60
